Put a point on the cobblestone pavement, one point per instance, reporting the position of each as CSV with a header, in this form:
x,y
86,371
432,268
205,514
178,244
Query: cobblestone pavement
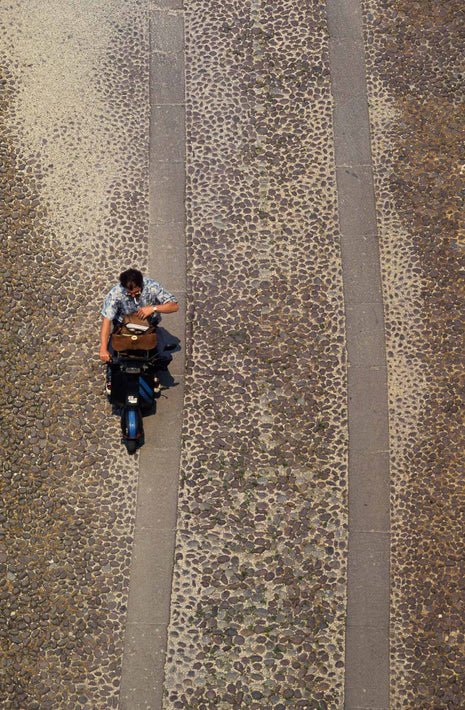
x,y
259,585
416,93
73,212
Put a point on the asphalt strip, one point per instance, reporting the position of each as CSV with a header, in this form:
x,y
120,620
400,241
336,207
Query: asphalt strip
x,y
368,588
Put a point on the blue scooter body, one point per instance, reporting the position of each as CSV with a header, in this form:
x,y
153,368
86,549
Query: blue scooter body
x,y
133,383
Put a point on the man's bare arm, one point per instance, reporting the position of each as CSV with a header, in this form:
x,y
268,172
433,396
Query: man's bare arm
x,y
104,335
168,307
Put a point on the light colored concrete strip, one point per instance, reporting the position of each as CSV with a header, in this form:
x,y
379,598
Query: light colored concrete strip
x,y
367,685
367,408
362,279
167,70
144,660
352,145
365,343
369,492
157,510
167,198
167,31
369,553
167,422
154,538
168,126
168,262
367,633
348,68
168,4
357,212
344,19
151,567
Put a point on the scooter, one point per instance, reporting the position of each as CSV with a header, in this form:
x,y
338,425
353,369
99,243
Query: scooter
x,y
134,387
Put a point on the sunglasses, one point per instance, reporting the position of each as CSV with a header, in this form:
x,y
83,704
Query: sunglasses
x,y
134,291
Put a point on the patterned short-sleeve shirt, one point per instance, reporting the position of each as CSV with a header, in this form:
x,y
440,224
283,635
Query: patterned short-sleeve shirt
x,y
119,303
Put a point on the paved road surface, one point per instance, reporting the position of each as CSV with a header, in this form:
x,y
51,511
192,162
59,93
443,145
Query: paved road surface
x,y
294,174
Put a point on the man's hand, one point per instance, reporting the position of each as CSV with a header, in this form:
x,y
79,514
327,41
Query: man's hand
x,y
104,355
145,311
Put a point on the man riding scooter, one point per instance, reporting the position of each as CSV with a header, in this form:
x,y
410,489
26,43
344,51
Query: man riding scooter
x,y
135,294
134,349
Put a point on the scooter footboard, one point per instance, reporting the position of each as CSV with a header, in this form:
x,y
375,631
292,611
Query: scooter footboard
x,y
118,385
141,383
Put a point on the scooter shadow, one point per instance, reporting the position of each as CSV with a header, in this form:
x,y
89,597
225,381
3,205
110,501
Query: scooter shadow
x,y
166,382
172,345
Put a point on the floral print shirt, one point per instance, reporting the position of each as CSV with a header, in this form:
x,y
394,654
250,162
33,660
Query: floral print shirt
x,y
119,303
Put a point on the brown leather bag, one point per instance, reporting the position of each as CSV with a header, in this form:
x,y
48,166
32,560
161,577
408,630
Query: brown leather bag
x,y
124,338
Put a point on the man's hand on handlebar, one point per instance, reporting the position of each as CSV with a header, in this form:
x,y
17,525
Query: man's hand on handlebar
x,y
104,355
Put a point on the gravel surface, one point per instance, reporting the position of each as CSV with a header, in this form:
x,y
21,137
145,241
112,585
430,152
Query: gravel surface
x,y
415,76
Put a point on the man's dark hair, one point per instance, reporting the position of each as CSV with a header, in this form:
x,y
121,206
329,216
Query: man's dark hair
x,y
133,277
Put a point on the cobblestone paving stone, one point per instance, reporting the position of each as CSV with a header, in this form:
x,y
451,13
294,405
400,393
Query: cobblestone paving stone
x,y
73,213
415,78
258,603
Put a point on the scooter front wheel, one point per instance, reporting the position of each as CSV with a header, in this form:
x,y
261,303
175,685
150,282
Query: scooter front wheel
x,y
132,429
131,446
